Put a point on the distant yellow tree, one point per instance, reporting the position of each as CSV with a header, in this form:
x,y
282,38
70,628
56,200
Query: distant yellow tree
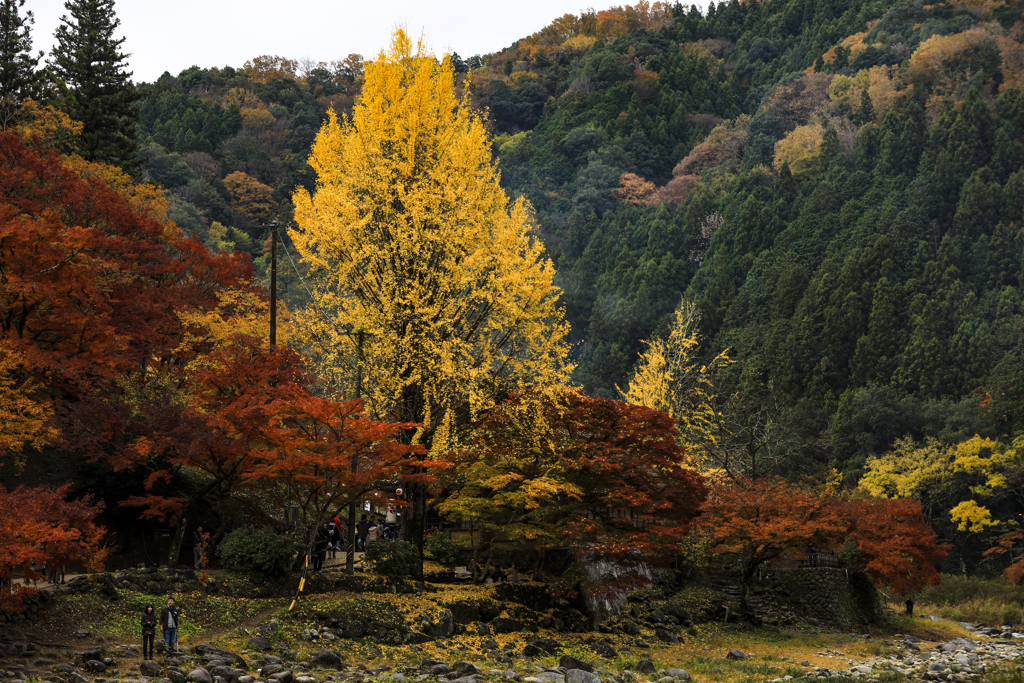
x,y
800,149
671,377
409,237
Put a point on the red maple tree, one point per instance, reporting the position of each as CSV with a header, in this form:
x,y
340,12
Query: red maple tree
x,y
40,526
559,467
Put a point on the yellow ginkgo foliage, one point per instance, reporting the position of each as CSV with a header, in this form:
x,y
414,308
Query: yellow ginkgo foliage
x,y
409,238
671,377
800,149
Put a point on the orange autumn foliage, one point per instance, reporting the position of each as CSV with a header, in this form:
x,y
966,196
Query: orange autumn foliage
x,y
633,189
40,526
762,520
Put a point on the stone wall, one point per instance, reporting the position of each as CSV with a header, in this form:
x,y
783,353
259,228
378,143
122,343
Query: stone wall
x,y
833,596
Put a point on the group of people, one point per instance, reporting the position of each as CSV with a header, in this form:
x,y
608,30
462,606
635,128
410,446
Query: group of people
x,y
330,536
169,620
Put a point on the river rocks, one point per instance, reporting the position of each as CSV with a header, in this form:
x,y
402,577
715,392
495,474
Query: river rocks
x,y
220,654
150,668
958,644
581,676
259,643
199,675
570,662
327,659
645,666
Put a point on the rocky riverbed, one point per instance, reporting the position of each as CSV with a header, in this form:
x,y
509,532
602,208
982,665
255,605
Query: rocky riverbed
x,y
268,660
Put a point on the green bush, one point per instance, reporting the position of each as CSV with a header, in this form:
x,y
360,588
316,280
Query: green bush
x,y
262,551
394,560
442,548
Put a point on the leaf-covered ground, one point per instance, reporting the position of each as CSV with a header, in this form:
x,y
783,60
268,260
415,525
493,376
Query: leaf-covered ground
x,y
229,622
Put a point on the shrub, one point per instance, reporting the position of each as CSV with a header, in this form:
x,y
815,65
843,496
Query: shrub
x,y
262,551
393,560
442,548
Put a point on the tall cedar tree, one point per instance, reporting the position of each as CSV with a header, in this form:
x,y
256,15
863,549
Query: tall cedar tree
x,y
410,236
19,78
89,68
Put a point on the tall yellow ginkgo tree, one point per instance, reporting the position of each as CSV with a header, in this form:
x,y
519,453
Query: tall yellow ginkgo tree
x,y
409,238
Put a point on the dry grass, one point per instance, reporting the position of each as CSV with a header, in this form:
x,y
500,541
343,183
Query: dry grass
x,y
992,602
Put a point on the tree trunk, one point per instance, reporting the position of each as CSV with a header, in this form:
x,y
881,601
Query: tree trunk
x,y
416,523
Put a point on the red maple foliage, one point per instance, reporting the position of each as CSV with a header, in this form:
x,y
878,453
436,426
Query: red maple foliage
x,y
602,476
40,526
894,545
248,421
91,288
759,521
332,454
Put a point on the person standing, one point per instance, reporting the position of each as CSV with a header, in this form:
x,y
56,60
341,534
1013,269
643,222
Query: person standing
x,y
148,632
372,534
339,535
320,548
362,529
198,541
169,622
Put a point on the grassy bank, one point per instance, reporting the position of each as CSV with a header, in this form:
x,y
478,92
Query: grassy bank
x,y
992,602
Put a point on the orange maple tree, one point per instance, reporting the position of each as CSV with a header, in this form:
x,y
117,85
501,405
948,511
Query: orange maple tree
x,y
894,545
559,468
332,454
761,520
40,526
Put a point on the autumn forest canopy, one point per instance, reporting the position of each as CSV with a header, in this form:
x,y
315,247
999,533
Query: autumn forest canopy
x,y
651,283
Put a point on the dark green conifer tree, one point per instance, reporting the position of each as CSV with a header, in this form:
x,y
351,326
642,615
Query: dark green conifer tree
x,y
89,69
19,76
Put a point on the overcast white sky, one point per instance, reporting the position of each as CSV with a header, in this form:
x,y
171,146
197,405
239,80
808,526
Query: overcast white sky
x,y
172,35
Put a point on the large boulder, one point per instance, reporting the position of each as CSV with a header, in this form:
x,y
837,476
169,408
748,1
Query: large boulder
x,y
679,674
581,676
327,659
259,643
570,662
199,675
503,625
222,654
150,668
445,625
645,666
735,654
91,653
665,636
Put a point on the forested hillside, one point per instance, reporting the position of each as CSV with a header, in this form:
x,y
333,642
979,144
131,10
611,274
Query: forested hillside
x,y
793,226
836,184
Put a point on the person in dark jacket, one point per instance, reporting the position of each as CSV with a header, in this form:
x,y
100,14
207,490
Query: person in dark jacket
x,y
323,537
148,631
170,619
362,531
